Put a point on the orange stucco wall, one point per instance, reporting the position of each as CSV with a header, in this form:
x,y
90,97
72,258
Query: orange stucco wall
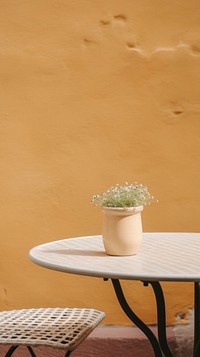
x,y
94,93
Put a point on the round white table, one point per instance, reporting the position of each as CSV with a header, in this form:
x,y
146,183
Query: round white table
x,y
162,257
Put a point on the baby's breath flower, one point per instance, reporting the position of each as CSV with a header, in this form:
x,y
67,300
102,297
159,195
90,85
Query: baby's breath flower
x,y
128,195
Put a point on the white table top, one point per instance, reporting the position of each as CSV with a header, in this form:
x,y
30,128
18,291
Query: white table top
x,y
162,257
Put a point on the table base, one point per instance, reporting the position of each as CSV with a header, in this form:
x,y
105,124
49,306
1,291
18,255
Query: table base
x,y
160,344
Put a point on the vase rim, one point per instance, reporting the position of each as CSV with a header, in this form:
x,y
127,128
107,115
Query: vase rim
x,y
124,209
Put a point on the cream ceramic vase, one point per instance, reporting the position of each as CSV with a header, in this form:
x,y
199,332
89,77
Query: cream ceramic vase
x,y
122,230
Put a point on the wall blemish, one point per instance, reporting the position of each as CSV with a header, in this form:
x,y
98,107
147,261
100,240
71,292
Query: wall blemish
x,y
88,41
195,49
120,17
131,45
105,22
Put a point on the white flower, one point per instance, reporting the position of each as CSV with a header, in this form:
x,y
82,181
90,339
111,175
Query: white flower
x,y
124,196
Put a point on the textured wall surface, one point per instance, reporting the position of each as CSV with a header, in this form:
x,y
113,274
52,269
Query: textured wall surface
x,y
94,93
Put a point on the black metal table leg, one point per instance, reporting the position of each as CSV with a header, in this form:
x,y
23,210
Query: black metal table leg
x,y
196,319
161,318
162,345
135,319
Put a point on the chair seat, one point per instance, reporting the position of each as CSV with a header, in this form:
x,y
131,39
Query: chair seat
x,y
63,328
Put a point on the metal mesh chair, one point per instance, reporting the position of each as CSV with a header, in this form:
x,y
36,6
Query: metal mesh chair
x,y
63,328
